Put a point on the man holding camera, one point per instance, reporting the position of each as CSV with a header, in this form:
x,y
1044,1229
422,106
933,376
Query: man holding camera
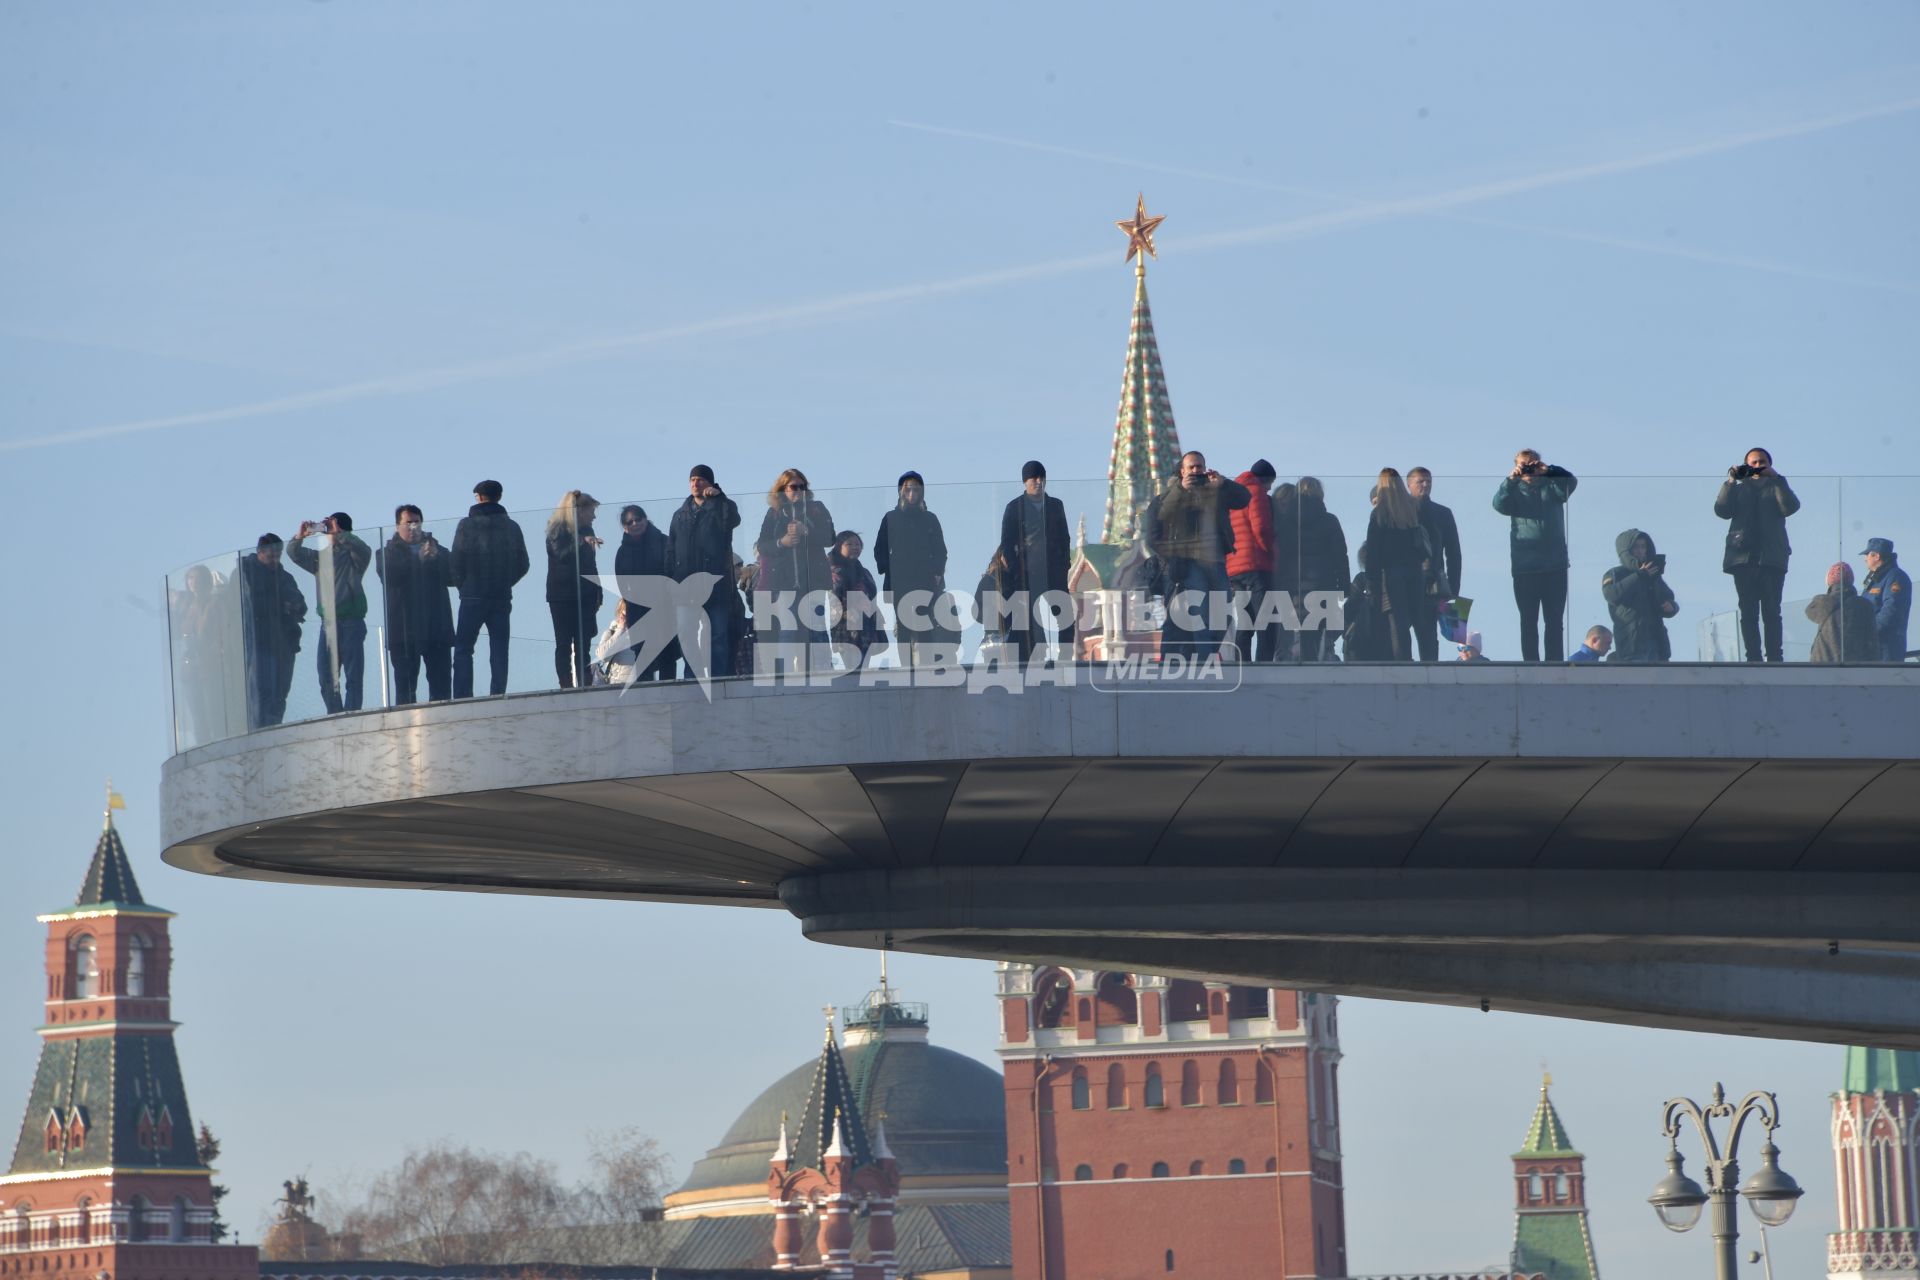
x,y
1534,498
1755,500
1639,600
339,569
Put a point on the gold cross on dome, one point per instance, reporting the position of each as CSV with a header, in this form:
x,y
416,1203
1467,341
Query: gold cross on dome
x,y
1140,229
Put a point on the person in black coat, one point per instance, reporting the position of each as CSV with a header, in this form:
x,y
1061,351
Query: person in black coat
x,y
573,587
417,572
489,557
700,540
1755,501
1443,535
1286,570
795,535
271,613
1035,544
1399,560
1320,562
910,552
644,552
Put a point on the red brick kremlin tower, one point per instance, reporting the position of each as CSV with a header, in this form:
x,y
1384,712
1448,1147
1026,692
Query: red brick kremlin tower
x,y
1162,1126
1876,1152
106,1180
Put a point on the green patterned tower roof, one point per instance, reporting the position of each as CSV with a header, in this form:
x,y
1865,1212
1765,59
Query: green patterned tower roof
x,y
1551,1234
1875,1070
1146,445
1546,1136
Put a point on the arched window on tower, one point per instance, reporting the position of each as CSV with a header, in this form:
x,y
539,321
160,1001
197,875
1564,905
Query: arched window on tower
x,y
140,1228
1186,1001
52,1134
1082,1093
86,968
1229,1082
1263,1080
1160,1169
1189,1083
1120,1171
1119,1006
83,1229
1562,1188
1053,1000
1236,1165
1116,1087
1156,1089
136,984
1536,1188
1196,1169
177,1222
76,1131
1083,1173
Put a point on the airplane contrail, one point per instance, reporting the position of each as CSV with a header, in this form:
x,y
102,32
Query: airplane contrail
x,y
570,353
1355,215
1352,203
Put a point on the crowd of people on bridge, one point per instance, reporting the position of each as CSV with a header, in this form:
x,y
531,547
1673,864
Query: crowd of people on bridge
x,y
1242,568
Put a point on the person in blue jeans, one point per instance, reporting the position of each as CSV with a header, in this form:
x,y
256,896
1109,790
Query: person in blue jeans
x,y
489,557
339,568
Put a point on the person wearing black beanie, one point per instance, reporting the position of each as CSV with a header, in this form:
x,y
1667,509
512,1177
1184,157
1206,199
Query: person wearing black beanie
x,y
1035,544
910,553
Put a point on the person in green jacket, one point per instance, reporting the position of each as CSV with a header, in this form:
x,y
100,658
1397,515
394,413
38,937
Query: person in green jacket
x,y
339,568
1534,498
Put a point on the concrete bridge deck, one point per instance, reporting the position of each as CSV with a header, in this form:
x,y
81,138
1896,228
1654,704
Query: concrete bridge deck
x,y
1710,847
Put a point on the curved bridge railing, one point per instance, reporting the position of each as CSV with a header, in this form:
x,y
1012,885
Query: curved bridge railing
x,y
392,613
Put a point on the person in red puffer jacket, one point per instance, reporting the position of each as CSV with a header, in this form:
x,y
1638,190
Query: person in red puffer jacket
x,y
1250,565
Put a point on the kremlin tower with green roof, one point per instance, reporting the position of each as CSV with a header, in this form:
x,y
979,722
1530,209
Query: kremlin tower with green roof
x,y
106,1176
1876,1147
1551,1236
1146,444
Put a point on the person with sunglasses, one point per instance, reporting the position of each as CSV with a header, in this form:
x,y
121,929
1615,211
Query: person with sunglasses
x,y
792,550
643,553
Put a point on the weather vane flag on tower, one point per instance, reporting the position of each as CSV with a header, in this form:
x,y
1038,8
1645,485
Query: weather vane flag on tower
x,y
1146,445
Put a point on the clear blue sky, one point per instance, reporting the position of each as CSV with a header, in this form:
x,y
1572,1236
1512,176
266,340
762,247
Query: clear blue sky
x,y
263,261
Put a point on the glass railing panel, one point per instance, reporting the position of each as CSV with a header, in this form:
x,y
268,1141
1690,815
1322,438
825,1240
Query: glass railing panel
x,y
208,651
1646,565
1880,515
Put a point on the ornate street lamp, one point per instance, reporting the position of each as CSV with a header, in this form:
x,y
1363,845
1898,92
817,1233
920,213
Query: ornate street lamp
x,y
1678,1199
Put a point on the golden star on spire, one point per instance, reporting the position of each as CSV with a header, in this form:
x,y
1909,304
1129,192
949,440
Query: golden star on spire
x,y
1140,229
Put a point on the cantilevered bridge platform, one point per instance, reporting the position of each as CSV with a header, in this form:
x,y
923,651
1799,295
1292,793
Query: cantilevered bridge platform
x,y
1715,848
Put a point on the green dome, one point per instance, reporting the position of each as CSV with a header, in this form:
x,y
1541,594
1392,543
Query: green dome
x,y
945,1114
